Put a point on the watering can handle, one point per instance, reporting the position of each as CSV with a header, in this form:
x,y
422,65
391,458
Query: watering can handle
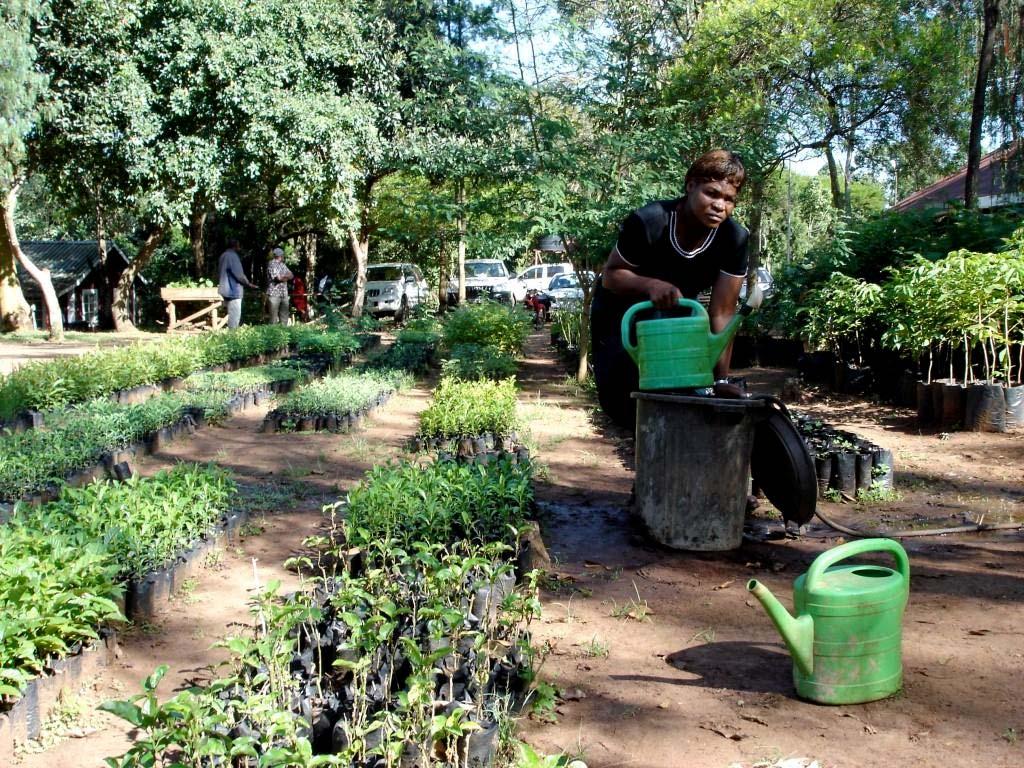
x,y
843,551
628,323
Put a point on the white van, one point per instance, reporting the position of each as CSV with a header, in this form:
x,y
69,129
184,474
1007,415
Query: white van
x,y
538,277
394,289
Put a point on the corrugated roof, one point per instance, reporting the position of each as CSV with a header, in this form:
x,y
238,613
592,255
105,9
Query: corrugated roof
x,y
951,188
69,262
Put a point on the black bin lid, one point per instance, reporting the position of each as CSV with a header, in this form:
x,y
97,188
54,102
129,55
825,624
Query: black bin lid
x,y
782,466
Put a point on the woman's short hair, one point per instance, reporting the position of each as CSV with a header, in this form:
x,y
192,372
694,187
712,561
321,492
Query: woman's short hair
x,y
718,165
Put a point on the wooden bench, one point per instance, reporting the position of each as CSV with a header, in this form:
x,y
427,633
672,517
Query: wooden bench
x,y
206,316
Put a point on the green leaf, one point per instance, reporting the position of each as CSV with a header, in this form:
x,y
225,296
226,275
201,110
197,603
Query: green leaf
x,y
154,679
125,710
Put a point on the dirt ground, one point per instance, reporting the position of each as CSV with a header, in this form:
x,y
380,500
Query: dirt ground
x,y
661,657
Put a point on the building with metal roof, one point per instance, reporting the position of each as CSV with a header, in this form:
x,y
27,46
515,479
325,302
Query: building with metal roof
x,y
80,279
1000,182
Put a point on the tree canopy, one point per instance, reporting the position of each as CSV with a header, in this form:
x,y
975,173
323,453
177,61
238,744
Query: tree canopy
x,y
435,129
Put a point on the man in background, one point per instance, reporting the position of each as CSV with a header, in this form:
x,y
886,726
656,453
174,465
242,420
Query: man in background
x,y
232,278
277,291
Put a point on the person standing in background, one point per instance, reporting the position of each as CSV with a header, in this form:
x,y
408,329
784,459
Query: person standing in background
x,y
232,278
299,298
278,276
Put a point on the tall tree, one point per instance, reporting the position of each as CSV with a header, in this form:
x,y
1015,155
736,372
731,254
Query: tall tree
x,y
990,22
175,108
830,76
22,95
605,141
433,106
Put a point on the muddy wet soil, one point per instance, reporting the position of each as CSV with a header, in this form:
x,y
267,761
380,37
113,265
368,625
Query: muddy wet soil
x,y
664,659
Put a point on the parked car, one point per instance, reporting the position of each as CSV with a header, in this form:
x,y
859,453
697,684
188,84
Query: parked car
x,y
565,291
487,279
393,289
538,277
764,280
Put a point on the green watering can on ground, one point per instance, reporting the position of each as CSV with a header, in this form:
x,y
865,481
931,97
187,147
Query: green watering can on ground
x,y
679,352
847,635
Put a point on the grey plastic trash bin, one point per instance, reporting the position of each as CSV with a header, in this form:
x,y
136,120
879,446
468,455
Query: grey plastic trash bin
x,y
693,467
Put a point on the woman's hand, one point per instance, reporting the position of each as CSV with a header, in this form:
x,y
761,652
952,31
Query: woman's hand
x,y
663,295
727,389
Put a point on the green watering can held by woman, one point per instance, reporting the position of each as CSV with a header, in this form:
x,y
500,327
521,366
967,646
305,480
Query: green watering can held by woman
x,y
679,352
847,635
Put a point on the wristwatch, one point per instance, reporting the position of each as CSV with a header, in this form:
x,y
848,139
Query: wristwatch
x,y
721,381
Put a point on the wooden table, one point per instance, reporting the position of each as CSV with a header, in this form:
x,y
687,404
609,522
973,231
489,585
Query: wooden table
x,y
206,296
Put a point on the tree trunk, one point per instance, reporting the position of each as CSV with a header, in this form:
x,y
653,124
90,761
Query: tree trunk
x,y
991,20
833,178
197,235
444,270
754,241
106,290
848,177
15,314
309,249
460,201
583,366
9,243
581,266
123,288
360,250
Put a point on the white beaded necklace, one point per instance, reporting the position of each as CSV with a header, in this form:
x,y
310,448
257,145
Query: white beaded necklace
x,y
678,248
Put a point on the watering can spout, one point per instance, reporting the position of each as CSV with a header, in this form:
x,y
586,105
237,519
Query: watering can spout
x,y
797,632
719,341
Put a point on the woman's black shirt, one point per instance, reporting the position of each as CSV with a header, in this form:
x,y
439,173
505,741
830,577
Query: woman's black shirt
x,y
647,243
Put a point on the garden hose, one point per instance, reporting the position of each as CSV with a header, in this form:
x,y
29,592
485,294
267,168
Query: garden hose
x,y
906,534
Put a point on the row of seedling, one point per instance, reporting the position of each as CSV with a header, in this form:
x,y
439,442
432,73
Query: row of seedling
x,y
139,371
414,350
470,417
77,440
65,565
845,463
406,649
335,403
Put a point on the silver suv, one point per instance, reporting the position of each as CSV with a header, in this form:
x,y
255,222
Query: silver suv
x,y
394,289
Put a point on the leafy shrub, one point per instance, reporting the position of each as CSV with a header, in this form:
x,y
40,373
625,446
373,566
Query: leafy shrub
x,y
55,592
338,344
966,301
472,361
893,238
385,645
424,329
144,522
441,503
838,310
470,408
414,357
490,325
78,437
